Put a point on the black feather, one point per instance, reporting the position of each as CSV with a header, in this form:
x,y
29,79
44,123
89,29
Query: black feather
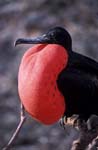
x,y
79,85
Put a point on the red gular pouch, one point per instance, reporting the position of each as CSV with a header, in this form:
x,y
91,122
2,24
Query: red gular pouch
x,y
38,73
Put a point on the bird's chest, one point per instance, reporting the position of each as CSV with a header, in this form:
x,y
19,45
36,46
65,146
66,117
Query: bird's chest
x,y
79,89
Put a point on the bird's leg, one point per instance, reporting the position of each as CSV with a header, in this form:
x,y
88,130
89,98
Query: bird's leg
x,y
22,120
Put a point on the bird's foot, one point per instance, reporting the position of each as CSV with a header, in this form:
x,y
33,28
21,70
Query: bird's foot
x,y
77,122
92,122
73,121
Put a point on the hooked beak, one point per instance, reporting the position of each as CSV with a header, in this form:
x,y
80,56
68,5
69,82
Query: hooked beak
x,y
39,40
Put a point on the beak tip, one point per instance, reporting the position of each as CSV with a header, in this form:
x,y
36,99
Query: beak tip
x,y
18,41
15,44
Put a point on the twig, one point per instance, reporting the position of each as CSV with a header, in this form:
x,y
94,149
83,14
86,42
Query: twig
x,y
93,145
83,141
22,120
86,137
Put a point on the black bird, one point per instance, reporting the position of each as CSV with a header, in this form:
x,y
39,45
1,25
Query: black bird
x,y
78,82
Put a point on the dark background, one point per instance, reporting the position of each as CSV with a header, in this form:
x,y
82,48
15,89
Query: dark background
x,y
27,18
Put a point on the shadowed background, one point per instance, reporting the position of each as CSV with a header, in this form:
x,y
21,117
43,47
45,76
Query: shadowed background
x,y
30,18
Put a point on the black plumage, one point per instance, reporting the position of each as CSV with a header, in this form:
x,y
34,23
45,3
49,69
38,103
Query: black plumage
x,y
79,85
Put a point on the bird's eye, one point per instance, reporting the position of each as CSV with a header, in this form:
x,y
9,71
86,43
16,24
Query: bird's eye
x,y
52,34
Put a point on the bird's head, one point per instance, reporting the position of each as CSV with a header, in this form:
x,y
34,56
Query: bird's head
x,y
56,35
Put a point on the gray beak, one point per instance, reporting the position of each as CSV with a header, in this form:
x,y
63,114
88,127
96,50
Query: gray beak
x,y
39,40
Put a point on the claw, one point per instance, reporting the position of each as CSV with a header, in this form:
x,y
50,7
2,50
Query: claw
x,y
63,122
